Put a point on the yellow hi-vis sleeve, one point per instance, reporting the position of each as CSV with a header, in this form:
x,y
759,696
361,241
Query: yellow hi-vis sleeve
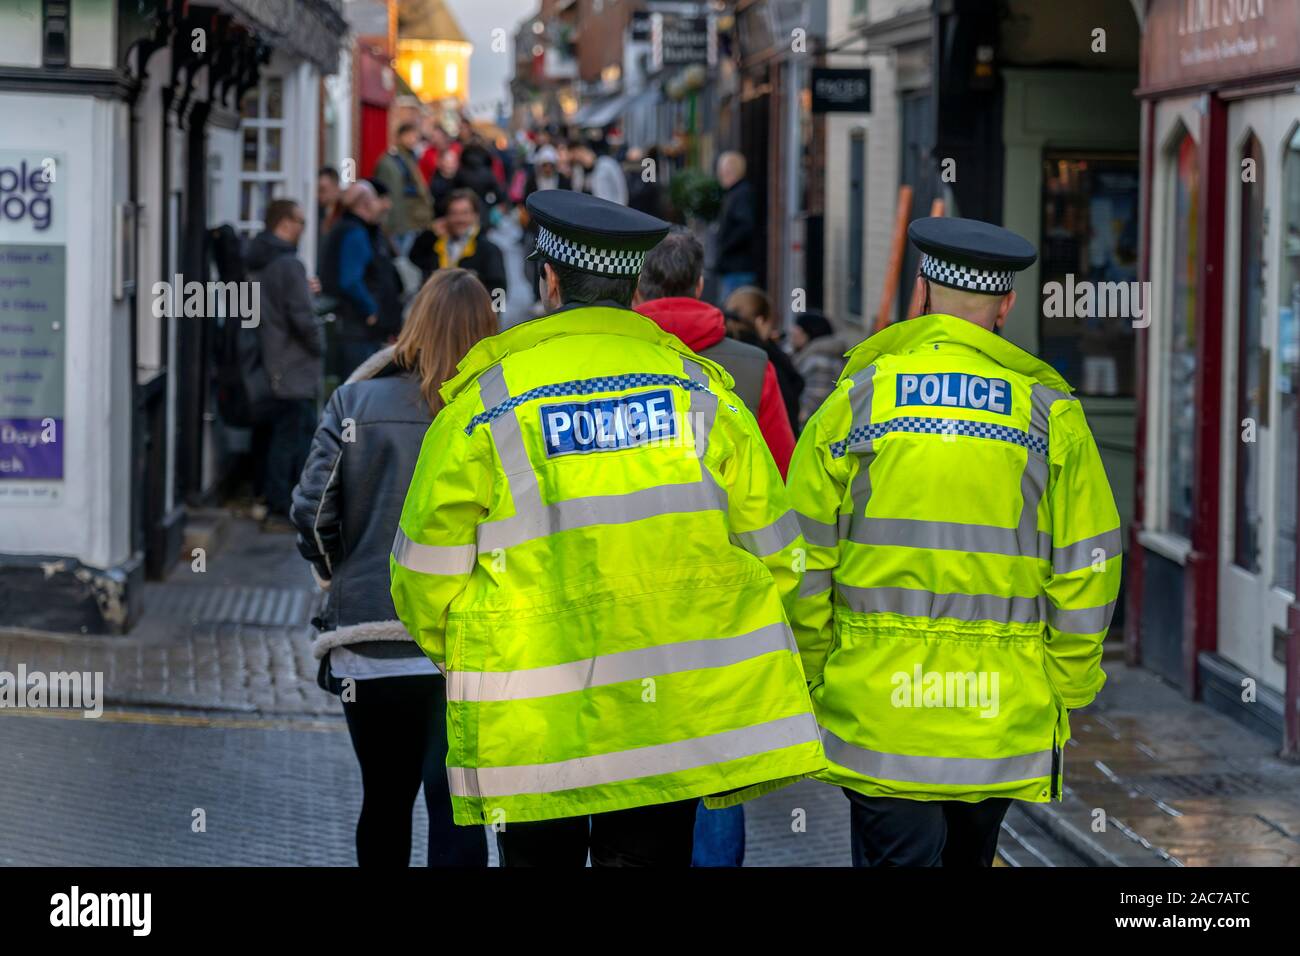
x,y
817,488
1087,549
434,551
758,511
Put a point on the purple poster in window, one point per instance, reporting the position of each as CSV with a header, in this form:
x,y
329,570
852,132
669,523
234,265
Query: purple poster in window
x,y
33,293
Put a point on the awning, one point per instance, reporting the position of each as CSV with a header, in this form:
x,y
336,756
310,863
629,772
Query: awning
x,y
602,112
313,29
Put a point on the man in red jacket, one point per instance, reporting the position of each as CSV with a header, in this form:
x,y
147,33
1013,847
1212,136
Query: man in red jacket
x,y
671,281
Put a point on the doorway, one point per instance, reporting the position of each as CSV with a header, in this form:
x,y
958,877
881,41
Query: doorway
x,y
1262,379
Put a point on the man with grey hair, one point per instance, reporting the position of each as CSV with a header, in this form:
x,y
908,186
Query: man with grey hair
x,y
737,227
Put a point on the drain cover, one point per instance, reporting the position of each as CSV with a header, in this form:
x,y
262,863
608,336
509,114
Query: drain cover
x,y
1204,784
261,607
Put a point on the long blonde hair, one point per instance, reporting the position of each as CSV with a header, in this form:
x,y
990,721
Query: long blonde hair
x,y
450,313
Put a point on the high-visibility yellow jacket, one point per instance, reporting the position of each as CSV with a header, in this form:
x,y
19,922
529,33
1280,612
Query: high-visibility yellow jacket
x,y
597,544
963,563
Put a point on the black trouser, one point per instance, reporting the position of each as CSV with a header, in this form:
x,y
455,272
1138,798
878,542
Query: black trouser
x,y
890,831
660,835
293,424
399,732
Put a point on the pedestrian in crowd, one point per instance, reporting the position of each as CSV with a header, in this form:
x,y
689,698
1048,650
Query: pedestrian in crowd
x,y
399,170
346,509
598,173
985,545
819,357
446,180
545,174
672,279
292,345
476,173
749,314
357,271
328,193
645,190
437,144
610,609
462,245
737,257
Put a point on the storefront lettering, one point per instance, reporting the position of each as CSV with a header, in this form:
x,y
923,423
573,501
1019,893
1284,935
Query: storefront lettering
x,y
1197,16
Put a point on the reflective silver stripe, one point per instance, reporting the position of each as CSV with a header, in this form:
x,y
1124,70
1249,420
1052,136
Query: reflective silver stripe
x,y
542,521
1087,620
818,533
1041,398
634,665
860,399
622,765
492,387
1033,484
776,536
947,771
695,371
1077,556
961,607
816,582
432,558
940,536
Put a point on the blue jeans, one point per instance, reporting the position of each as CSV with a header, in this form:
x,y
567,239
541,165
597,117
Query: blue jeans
x,y
719,837
729,282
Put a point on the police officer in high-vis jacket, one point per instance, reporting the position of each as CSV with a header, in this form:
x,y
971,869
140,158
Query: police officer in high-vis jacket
x,y
963,563
597,547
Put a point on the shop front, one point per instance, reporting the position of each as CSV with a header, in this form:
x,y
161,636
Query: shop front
x,y
1213,576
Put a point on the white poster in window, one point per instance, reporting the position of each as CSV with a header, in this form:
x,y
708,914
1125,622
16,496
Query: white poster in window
x,y
33,301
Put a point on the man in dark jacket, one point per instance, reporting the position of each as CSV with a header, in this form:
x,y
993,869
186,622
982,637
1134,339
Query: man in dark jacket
x,y
292,345
737,227
356,270
463,246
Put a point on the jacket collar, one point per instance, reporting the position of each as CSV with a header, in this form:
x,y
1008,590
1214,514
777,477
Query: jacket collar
x,y
912,334
374,367
599,319
694,321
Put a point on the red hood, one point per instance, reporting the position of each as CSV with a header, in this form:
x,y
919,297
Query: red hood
x,y
696,323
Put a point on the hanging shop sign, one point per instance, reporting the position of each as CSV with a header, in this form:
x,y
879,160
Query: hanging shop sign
x,y
1190,43
840,91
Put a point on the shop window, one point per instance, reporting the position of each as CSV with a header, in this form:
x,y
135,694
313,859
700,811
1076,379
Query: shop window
x,y
1179,345
1288,369
1250,397
1090,235
261,168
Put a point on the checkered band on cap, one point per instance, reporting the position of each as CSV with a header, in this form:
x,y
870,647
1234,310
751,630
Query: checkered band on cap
x,y
957,276
609,262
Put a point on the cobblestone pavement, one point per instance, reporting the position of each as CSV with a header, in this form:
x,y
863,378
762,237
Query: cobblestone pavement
x,y
123,790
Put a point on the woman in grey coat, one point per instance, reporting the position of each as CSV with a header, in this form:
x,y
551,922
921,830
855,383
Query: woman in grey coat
x,y
346,509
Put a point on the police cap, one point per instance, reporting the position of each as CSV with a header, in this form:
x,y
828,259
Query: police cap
x,y
970,255
592,235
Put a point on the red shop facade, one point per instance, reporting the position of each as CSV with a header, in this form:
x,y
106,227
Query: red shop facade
x,y
1214,554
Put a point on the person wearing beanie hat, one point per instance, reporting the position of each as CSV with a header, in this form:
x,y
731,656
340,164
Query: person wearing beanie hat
x,y
818,358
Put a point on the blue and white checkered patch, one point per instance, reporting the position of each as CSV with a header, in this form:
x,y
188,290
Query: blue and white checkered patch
x,y
586,386
608,262
939,426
